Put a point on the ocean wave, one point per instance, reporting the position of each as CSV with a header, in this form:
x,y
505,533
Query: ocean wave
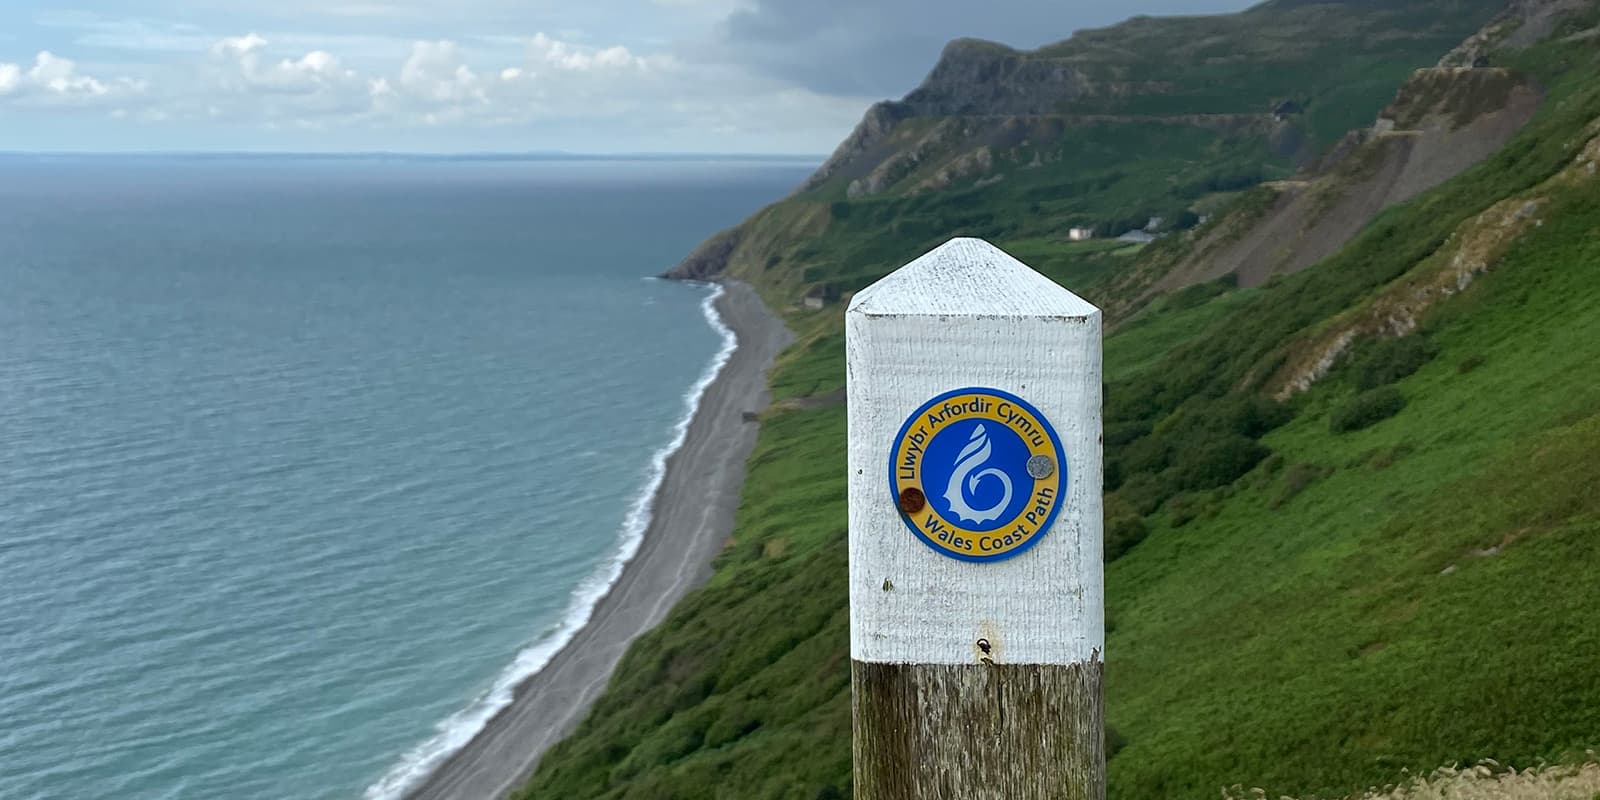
x,y
458,729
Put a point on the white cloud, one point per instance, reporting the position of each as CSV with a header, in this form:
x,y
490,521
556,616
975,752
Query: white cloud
x,y
10,79
313,72
435,73
433,84
616,74
361,87
251,81
555,79
60,76
57,81
565,55
239,46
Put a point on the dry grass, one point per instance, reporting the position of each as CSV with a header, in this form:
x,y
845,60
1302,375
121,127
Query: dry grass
x,y
1483,782
1487,781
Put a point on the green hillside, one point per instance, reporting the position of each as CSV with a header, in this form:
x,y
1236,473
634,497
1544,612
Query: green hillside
x,y
1156,117
1311,591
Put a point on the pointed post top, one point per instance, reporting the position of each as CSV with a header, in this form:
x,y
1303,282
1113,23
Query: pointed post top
x,y
977,595
969,277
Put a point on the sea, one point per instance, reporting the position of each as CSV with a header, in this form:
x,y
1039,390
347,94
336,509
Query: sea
x,y
305,462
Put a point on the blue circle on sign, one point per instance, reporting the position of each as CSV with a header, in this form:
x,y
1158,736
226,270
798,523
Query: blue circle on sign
x,y
978,474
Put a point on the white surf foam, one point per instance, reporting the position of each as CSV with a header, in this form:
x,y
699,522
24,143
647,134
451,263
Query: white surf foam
x,y
458,729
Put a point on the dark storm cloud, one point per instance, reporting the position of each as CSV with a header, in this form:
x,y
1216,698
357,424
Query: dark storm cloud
x,y
884,47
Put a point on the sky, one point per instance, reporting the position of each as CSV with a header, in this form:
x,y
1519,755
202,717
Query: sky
x,y
463,76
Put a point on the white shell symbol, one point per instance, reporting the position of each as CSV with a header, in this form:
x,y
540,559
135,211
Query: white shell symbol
x,y
974,455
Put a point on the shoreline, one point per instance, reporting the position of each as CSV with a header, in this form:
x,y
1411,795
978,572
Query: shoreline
x,y
691,514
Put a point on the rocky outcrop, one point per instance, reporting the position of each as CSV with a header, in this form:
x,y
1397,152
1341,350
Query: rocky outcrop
x,y
1476,247
979,77
1523,23
952,149
1442,121
985,86
708,260
907,158
869,134
975,164
1450,96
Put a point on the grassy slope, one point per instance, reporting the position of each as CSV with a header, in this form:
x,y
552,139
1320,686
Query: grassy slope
x,y
1337,60
1303,629
1106,174
1343,61
1313,645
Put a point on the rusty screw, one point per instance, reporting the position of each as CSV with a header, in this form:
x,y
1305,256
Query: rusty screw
x,y
912,500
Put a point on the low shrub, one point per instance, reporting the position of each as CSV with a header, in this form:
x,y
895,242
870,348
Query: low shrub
x,y
1367,409
1206,462
1389,360
1122,533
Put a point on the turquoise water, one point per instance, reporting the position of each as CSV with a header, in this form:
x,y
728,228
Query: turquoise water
x,y
302,463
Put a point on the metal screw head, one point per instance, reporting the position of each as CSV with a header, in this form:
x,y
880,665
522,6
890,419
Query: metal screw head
x,y
1041,467
912,500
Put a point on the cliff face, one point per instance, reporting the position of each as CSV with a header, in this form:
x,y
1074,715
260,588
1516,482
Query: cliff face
x,y
984,78
1232,98
1522,24
708,260
1442,122
972,78
873,130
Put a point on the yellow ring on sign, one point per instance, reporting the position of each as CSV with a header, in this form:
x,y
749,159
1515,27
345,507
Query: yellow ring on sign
x,y
982,429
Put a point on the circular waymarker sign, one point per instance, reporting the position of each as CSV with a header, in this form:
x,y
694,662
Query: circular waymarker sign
x,y
978,474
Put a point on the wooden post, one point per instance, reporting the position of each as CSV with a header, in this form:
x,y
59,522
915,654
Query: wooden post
x,y
977,619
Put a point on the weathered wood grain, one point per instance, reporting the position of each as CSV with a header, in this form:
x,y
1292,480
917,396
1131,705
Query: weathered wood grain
x,y
979,731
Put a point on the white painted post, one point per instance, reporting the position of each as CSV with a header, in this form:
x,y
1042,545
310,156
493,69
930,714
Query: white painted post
x,y
981,678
